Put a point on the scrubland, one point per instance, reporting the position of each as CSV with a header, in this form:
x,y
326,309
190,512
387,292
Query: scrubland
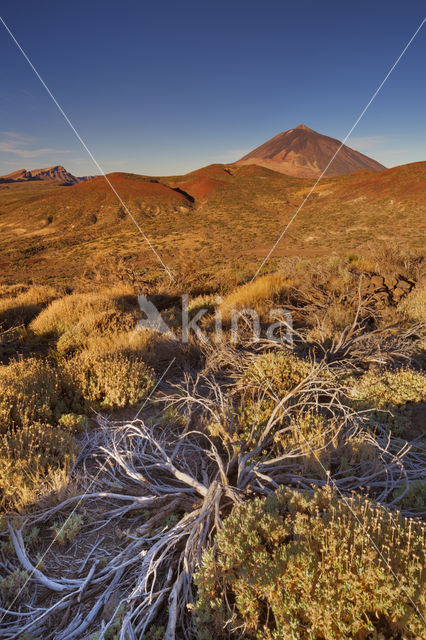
x,y
155,489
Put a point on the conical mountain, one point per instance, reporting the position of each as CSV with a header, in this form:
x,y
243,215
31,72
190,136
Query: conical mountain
x,y
304,153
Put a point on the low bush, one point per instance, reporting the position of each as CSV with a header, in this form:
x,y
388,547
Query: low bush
x,y
414,305
107,328
35,390
66,313
73,422
387,392
12,585
110,380
310,567
276,371
387,389
413,499
67,531
269,376
27,456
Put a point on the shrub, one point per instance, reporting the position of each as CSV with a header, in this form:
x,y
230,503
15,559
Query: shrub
x,y
39,412
35,390
110,380
388,391
12,585
305,567
413,499
64,314
414,305
27,456
277,371
103,326
269,376
67,531
73,422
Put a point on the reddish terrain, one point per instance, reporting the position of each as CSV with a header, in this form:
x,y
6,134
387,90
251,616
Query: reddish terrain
x,y
215,215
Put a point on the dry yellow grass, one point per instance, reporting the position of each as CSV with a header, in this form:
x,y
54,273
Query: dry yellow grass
x,y
253,295
414,305
20,304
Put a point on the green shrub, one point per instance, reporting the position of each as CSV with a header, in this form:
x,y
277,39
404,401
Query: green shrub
x,y
389,389
73,422
110,380
35,390
389,392
12,585
27,456
269,375
39,413
67,531
278,372
414,305
311,567
64,314
93,328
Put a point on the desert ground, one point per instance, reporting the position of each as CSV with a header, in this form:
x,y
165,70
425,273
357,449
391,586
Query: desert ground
x,y
232,486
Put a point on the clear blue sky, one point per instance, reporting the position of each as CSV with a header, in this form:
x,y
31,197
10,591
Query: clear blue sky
x,y
166,86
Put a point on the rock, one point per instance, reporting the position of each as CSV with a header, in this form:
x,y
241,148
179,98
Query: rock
x,y
398,293
391,282
377,282
382,297
404,284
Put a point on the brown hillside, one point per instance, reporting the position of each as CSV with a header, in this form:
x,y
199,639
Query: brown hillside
x,y
221,214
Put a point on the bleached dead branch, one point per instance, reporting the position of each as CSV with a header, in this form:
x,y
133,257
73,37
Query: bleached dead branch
x,y
166,488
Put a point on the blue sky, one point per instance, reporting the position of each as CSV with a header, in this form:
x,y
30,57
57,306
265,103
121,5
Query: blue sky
x,y
164,87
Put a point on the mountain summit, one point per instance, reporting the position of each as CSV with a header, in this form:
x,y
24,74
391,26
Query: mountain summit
x,y
304,153
55,174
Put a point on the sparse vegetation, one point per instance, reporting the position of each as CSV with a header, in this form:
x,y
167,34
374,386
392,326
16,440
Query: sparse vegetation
x,y
67,531
301,566
243,501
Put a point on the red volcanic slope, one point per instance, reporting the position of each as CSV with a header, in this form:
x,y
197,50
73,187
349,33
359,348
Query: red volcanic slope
x,y
406,182
128,185
203,182
305,153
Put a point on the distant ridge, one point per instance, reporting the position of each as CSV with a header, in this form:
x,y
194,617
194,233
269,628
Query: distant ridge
x,y
304,153
50,174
